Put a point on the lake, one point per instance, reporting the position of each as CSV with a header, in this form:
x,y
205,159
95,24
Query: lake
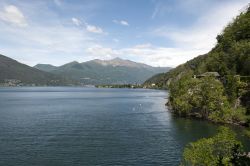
x,y
88,126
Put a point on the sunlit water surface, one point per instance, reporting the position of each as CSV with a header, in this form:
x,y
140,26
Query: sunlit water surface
x,y
52,126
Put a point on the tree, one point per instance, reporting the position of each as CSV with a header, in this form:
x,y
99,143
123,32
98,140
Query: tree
x,y
203,97
222,149
213,98
231,87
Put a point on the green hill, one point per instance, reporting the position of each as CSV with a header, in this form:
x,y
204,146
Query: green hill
x,y
225,98
13,73
115,71
45,67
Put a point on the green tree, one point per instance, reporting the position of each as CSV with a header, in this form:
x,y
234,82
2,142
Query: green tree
x,y
203,97
222,149
212,94
231,88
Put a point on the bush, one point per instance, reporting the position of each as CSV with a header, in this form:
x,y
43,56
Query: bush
x,y
222,149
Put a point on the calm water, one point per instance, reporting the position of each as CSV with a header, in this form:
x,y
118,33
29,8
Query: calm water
x,y
88,126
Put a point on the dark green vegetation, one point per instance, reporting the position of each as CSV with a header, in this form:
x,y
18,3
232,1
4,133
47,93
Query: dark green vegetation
x,y
96,72
45,67
223,94
13,73
119,86
222,149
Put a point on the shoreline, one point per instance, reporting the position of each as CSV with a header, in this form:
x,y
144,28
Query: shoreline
x,y
196,116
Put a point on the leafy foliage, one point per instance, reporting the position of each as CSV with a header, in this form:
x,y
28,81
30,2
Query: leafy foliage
x,y
204,98
222,149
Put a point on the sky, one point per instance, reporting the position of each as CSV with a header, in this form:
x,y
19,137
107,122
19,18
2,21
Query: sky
x,y
155,32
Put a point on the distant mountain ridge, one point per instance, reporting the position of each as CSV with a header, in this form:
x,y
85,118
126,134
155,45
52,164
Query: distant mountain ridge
x,y
94,72
114,71
45,67
13,72
120,62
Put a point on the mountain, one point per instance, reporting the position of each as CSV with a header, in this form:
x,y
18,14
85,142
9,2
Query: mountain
x,y
114,71
13,72
214,86
120,62
45,67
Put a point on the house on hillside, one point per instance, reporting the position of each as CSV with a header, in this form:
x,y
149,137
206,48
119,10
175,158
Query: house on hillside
x,y
208,74
245,79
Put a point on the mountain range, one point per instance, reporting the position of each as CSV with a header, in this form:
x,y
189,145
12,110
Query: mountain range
x,y
115,71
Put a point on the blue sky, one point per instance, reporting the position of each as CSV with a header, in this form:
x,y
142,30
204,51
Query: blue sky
x,y
155,32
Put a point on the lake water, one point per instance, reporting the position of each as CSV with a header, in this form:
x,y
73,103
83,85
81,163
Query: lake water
x,y
52,126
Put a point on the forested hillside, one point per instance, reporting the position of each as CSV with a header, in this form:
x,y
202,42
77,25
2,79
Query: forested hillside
x,y
13,73
223,93
96,72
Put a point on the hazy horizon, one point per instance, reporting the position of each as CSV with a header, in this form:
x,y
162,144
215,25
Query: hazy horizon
x,y
154,32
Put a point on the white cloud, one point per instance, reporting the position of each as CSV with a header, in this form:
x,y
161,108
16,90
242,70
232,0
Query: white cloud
x,y
11,14
50,39
88,27
147,45
124,23
100,52
76,21
202,34
146,53
94,29
54,44
160,9
121,22
161,56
